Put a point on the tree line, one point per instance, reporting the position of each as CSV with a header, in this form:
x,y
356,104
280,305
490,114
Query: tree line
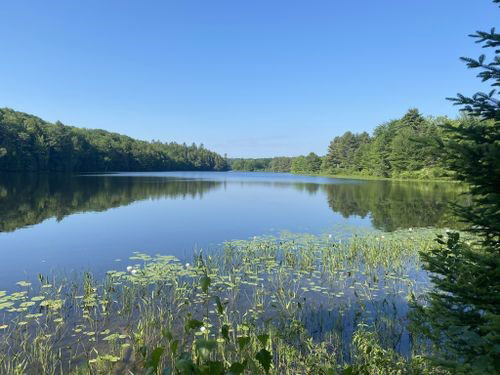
x,y
276,164
408,147
27,143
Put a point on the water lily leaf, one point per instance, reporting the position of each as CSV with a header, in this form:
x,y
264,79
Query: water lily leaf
x,y
110,358
112,337
26,304
6,305
33,316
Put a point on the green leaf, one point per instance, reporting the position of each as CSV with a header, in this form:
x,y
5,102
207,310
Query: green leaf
x,y
220,307
173,346
243,341
185,366
237,368
166,333
225,332
193,324
205,283
154,359
264,358
213,368
263,339
205,347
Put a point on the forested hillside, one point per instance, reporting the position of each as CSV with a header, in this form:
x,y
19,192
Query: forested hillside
x,y
27,143
408,147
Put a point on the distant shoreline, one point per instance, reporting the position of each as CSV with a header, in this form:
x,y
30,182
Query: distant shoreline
x,y
358,177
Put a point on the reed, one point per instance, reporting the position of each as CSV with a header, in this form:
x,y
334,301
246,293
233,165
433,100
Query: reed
x,y
295,304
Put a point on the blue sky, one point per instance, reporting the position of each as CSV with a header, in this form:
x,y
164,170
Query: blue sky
x,y
247,78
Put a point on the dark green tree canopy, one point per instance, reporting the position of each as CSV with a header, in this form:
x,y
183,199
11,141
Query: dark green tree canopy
x,y
462,314
27,143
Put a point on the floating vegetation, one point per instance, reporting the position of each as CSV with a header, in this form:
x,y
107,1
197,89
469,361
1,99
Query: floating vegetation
x,y
297,304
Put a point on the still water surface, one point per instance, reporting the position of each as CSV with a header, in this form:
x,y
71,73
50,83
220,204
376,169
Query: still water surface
x,y
92,222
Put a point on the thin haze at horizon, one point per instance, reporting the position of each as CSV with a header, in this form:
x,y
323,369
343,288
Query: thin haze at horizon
x,y
247,78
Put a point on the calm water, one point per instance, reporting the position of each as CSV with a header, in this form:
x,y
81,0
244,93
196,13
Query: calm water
x,y
74,223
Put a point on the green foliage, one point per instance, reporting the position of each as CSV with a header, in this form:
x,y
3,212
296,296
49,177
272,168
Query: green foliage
x,y
28,143
462,317
276,164
264,358
281,164
407,148
288,305
344,152
404,148
250,165
370,358
306,164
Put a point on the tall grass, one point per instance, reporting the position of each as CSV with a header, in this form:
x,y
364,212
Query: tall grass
x,y
298,304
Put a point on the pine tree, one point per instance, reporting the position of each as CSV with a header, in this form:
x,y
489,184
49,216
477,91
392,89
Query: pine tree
x,y
462,317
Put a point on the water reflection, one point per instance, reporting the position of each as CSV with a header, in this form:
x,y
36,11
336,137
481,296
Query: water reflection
x,y
393,205
30,199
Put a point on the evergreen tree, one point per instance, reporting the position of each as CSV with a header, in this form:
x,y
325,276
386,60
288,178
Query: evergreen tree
x,y
462,317
406,153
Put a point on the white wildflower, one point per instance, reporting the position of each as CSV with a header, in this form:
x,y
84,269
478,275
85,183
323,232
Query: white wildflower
x,y
134,272
129,268
203,329
187,265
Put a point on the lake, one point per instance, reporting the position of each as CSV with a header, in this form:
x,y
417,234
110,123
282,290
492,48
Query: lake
x,y
58,223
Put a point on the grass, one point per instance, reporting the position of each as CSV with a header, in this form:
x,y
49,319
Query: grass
x,y
298,304
378,178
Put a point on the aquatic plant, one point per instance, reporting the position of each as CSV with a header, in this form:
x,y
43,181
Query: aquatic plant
x,y
294,304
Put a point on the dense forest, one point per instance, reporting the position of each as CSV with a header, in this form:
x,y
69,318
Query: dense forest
x,y
276,164
408,147
27,143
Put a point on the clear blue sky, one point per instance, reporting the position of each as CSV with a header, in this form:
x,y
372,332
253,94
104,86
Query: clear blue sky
x,y
250,78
